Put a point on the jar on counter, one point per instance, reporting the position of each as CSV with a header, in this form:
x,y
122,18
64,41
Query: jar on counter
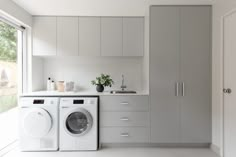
x,y
61,86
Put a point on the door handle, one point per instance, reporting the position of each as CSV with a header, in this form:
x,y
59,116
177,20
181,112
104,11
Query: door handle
x,y
176,88
227,91
124,134
183,89
124,119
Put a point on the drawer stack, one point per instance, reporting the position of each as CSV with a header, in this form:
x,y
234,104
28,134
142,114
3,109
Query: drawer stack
x,y
124,119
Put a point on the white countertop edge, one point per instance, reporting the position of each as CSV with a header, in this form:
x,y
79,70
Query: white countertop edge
x,y
56,93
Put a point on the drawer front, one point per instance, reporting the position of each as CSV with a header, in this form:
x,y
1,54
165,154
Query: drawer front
x,y
124,119
124,135
124,103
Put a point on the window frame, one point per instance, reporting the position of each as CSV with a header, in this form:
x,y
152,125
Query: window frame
x,y
22,54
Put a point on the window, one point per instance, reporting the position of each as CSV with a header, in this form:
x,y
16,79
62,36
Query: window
x,y
8,67
10,70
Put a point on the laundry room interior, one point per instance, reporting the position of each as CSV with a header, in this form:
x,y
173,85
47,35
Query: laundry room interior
x,y
117,78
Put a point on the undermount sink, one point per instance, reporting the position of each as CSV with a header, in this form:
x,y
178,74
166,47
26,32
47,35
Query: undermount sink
x,y
123,92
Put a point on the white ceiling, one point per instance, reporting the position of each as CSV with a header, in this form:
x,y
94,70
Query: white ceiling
x,y
83,7
95,7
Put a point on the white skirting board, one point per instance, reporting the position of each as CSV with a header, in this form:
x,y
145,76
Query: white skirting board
x,y
215,149
160,145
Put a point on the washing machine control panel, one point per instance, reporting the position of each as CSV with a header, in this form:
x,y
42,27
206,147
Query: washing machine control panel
x,y
83,101
78,101
38,101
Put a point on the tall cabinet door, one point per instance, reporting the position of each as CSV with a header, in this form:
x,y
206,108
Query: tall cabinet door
x,y
196,74
164,73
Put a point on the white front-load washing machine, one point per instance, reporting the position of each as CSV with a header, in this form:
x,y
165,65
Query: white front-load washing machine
x,y
78,123
38,123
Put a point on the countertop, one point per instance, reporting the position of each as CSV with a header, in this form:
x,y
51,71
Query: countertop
x,y
84,93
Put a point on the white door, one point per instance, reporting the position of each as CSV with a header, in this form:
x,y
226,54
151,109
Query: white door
x,y
230,85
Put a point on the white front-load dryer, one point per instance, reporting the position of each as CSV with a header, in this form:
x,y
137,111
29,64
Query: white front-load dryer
x,y
78,123
38,123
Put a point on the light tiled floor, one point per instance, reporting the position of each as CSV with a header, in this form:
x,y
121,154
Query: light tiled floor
x,y
121,152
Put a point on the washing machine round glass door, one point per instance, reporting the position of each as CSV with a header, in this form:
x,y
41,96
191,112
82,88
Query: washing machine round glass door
x,y
78,122
37,122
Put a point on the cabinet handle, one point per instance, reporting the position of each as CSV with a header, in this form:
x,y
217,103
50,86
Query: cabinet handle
x,y
124,134
176,88
124,119
183,89
124,103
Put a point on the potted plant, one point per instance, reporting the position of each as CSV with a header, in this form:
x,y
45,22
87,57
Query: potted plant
x,y
102,81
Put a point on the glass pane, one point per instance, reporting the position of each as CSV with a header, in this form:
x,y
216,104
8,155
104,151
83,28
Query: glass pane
x,y
77,122
8,67
8,84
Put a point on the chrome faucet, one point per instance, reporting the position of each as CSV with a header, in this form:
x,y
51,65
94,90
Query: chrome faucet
x,y
123,86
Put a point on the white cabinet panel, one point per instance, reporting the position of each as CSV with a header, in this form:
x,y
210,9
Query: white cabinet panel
x,y
124,103
124,135
132,119
44,36
89,36
196,74
164,73
67,36
133,36
111,36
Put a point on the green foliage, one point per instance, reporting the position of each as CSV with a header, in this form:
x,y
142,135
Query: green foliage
x,y
104,80
8,42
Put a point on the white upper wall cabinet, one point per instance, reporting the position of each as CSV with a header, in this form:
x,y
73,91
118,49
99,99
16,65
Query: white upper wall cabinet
x,y
67,36
89,36
111,36
133,36
44,36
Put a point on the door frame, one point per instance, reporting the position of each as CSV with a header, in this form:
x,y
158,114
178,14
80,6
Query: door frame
x,y
222,126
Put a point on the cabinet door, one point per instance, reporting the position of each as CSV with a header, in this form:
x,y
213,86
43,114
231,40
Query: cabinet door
x,y
111,36
44,36
133,36
67,36
89,36
164,73
196,74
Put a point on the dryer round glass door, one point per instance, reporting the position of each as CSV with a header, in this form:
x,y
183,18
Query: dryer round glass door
x,y
78,122
37,123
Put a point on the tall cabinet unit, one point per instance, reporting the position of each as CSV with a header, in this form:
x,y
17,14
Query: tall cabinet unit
x,y
180,75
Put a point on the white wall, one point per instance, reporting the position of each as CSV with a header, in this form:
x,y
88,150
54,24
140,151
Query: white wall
x,y
10,9
82,70
220,8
